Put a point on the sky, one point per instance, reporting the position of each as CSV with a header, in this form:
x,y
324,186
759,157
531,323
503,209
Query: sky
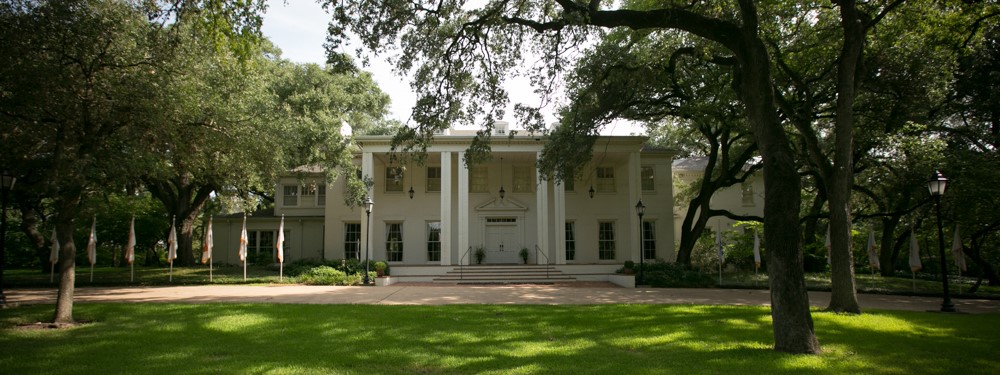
x,y
298,28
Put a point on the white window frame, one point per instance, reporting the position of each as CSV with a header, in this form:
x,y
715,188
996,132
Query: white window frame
x,y
433,183
392,183
433,246
651,179
570,230
648,239
479,179
290,195
347,242
603,242
523,179
605,178
389,241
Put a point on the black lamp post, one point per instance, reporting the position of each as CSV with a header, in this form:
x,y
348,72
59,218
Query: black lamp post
x,y
936,185
369,204
8,184
640,209
591,191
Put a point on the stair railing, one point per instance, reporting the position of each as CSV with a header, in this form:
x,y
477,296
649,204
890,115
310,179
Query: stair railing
x,y
461,264
538,251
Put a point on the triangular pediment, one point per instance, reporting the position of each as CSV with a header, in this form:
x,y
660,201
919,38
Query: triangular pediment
x,y
506,204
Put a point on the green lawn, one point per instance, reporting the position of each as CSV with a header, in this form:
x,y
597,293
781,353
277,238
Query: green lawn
x,y
464,339
147,276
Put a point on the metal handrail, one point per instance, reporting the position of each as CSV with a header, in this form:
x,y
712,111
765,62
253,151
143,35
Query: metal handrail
x,y
461,264
537,252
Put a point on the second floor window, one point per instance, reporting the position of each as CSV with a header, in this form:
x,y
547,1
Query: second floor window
x,y
606,179
433,179
290,195
479,179
648,179
393,179
522,179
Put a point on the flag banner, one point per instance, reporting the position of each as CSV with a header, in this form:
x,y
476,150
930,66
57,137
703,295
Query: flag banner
x,y
956,251
826,243
130,246
872,253
54,253
914,252
280,245
718,243
756,250
207,244
54,256
243,241
172,243
92,243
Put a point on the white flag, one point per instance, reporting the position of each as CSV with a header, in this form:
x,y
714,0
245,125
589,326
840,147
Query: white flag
x,y
130,246
872,254
172,244
718,242
914,252
54,254
829,247
243,241
207,244
956,250
92,243
280,245
756,250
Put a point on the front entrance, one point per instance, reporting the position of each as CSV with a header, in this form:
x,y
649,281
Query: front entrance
x,y
502,241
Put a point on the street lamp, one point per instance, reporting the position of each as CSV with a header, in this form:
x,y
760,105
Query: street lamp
x,y
368,210
640,209
8,181
936,185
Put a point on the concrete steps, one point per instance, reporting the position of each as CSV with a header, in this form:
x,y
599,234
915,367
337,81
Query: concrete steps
x,y
504,274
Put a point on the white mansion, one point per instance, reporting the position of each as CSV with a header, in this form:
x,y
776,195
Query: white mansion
x,y
433,217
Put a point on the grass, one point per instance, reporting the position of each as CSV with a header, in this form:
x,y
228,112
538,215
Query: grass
x,y
149,276
875,284
464,339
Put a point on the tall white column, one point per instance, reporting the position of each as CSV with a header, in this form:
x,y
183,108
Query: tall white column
x,y
463,210
633,198
559,195
542,204
446,208
367,172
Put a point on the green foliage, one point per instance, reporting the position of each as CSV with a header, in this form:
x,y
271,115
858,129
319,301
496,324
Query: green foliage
x,y
480,253
662,274
326,275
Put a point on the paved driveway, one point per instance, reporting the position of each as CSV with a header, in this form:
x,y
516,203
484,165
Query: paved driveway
x,y
492,294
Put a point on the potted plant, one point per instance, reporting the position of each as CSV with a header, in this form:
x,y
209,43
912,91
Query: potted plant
x,y
380,267
524,255
628,268
480,254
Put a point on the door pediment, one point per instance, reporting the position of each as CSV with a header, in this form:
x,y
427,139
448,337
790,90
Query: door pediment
x,y
501,205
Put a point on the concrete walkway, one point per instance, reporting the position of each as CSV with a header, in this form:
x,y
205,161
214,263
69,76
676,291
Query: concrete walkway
x,y
401,294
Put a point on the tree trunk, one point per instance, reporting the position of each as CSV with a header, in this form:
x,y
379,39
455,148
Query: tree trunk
x,y
184,200
812,219
68,205
975,252
887,259
691,229
843,292
790,316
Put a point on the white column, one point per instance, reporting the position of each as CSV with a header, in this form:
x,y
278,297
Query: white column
x,y
463,209
559,193
633,198
446,208
542,204
367,172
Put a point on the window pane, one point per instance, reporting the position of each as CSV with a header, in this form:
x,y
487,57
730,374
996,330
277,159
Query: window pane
x,y
479,180
747,188
291,195
394,241
434,241
393,179
648,181
648,240
606,240
605,179
522,179
570,241
352,241
433,179
321,195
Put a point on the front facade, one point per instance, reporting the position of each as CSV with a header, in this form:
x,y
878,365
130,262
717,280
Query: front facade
x,y
437,215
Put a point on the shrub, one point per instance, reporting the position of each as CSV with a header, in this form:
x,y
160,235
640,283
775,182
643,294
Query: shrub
x,y
663,274
326,275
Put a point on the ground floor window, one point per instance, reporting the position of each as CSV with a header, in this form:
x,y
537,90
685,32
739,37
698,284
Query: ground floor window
x,y
394,242
434,241
570,241
606,240
260,245
352,240
648,240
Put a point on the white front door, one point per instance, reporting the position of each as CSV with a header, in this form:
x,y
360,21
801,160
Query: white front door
x,y
502,244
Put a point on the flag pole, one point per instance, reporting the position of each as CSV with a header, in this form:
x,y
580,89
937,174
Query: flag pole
x,y
52,274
